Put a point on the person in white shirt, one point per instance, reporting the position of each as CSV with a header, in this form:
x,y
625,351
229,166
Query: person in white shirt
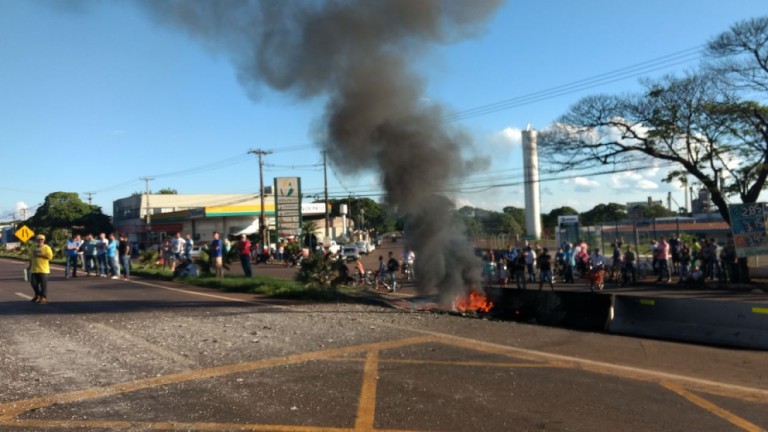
x,y
530,263
177,248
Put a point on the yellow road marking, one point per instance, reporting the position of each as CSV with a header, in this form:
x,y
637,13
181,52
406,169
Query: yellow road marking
x,y
172,426
712,408
9,410
365,417
647,302
366,408
751,394
177,426
505,365
760,310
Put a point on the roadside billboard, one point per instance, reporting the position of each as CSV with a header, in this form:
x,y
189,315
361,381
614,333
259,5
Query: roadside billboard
x,y
748,228
288,206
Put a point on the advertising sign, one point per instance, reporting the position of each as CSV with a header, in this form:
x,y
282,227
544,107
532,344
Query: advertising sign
x,y
748,228
288,206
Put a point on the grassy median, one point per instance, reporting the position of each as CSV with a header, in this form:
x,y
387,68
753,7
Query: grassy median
x,y
261,285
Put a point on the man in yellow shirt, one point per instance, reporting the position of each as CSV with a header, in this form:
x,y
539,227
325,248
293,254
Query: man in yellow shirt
x,y
39,269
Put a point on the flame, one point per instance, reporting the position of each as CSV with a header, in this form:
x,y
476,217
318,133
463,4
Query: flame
x,y
474,302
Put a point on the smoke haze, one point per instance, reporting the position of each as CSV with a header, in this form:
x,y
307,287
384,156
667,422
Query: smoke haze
x,y
357,54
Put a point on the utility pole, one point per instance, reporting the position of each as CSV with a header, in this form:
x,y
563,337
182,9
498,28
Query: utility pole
x,y
90,197
148,209
325,189
262,222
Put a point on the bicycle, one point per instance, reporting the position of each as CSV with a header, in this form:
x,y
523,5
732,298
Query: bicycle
x,y
372,280
407,272
613,274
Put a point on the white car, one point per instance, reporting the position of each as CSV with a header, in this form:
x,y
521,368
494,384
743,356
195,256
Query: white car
x,y
350,252
365,247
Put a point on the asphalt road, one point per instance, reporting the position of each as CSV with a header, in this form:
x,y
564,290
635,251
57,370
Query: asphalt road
x,y
141,355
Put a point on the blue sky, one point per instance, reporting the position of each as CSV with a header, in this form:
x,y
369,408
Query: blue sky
x,y
94,96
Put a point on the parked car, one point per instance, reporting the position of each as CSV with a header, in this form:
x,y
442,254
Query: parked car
x,y
350,252
329,245
365,247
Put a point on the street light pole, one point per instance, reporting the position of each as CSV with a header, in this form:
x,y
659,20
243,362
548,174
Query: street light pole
x,y
149,210
262,222
325,188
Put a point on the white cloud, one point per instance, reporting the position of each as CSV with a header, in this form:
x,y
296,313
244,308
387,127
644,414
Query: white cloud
x,y
583,184
462,202
21,205
646,184
625,180
507,139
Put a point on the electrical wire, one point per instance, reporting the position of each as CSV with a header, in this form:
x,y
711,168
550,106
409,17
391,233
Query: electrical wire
x,y
632,71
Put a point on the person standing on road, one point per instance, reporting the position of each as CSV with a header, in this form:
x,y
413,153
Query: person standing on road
x,y
545,268
114,267
685,261
244,250
177,248
359,271
530,263
188,243
630,275
90,255
217,248
124,251
39,269
569,262
597,260
662,249
392,266
675,245
101,254
382,269
73,245
519,269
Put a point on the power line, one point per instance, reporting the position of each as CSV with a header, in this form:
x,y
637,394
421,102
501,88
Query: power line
x,y
369,193
632,71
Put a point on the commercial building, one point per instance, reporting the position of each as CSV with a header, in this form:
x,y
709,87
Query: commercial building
x,y
147,218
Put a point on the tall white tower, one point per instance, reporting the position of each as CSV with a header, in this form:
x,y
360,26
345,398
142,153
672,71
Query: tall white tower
x,y
531,175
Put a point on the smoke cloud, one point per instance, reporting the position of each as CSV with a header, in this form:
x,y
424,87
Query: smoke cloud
x,y
358,55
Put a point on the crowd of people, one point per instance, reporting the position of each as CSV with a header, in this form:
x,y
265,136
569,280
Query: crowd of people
x,y
105,256
692,263
108,256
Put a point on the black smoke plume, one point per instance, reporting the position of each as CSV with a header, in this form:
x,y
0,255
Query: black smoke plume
x,y
358,54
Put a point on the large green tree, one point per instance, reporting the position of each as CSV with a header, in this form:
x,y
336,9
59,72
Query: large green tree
x,y
367,213
65,210
487,222
517,213
602,213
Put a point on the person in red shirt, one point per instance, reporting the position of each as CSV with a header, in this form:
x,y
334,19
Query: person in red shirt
x,y
244,249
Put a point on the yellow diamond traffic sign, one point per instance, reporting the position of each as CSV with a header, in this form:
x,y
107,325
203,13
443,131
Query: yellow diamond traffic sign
x,y
24,233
